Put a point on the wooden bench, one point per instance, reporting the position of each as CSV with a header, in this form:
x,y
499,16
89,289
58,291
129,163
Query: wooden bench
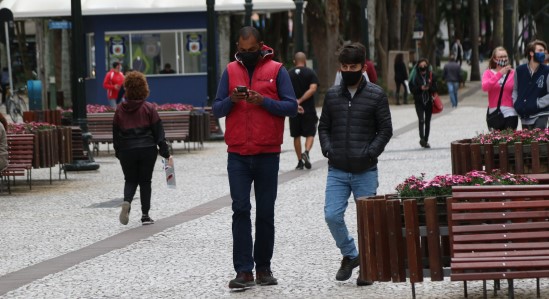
x,y
176,126
499,235
100,126
20,155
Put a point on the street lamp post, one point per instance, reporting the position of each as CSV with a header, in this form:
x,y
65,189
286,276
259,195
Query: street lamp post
x,y
248,17
78,91
298,26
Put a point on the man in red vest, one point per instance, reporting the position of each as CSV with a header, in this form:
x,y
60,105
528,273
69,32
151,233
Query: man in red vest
x,y
254,95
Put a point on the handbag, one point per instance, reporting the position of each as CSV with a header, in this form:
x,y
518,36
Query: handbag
x,y
437,103
496,119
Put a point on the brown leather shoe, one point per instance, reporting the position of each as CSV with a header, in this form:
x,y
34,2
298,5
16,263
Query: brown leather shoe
x,y
265,278
242,280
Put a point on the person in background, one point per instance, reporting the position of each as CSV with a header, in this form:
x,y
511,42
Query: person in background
x,y
355,126
113,81
305,83
254,95
531,87
401,75
138,138
422,85
5,83
122,91
452,75
3,142
457,51
492,81
167,69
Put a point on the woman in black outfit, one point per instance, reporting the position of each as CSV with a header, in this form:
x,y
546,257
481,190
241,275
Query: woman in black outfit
x,y
401,74
422,85
138,137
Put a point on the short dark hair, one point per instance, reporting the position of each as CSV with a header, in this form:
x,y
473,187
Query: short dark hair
x,y
531,47
352,54
247,31
115,64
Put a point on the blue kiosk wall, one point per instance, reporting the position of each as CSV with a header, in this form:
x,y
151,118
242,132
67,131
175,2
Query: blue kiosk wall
x,y
185,89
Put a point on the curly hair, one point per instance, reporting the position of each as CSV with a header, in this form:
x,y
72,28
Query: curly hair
x,y
136,86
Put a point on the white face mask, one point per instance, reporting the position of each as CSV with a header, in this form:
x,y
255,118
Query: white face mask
x,y
502,62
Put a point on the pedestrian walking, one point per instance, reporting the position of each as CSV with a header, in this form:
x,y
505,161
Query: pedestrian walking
x,y
452,75
138,137
422,85
498,72
113,81
531,89
457,51
254,95
354,128
401,75
305,84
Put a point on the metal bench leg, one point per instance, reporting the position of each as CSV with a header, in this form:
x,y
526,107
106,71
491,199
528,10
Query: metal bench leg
x,y
413,290
538,293
511,289
484,292
465,288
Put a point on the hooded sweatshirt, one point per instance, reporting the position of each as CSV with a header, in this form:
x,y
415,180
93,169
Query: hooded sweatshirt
x,y
136,124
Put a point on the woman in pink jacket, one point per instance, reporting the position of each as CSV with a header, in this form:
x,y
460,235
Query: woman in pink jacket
x,y
492,80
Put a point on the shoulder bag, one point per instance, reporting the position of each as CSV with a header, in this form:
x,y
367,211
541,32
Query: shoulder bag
x,y
496,120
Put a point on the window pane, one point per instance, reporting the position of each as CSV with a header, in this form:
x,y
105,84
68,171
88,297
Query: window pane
x,y
151,51
117,50
91,55
194,52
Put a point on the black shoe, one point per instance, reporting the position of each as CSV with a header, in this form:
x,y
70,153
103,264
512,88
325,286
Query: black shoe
x,y
427,145
299,165
146,220
422,142
242,280
306,160
125,212
346,269
265,278
361,282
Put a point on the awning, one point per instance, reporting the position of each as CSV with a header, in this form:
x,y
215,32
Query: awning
x,y
23,9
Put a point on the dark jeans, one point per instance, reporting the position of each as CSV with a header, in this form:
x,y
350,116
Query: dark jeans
x,y
4,92
138,165
398,84
424,113
262,170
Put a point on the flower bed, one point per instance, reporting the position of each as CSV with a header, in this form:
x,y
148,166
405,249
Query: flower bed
x,y
441,185
523,151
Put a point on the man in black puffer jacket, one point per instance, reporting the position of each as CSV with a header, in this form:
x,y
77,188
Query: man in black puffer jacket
x,y
355,126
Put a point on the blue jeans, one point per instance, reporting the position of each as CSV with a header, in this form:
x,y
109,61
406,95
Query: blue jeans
x,y
339,186
262,170
453,92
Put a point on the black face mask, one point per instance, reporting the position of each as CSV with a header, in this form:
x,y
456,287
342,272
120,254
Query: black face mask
x,y
422,69
249,58
351,78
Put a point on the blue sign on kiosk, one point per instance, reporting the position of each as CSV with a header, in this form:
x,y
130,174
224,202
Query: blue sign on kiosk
x,y
59,25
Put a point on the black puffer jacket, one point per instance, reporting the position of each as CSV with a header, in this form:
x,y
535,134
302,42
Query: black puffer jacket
x,y
354,132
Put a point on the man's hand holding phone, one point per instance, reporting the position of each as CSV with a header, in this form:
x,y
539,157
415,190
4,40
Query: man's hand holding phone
x,y
254,97
240,93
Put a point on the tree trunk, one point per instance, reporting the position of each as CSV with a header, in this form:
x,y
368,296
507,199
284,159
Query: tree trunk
x,y
497,37
474,11
323,26
408,17
457,22
381,38
395,15
430,28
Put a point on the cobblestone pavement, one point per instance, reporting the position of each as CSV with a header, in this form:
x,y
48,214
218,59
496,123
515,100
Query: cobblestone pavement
x,y
63,240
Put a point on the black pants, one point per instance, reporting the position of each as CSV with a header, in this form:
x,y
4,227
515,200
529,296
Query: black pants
x,y
398,84
138,165
4,92
424,113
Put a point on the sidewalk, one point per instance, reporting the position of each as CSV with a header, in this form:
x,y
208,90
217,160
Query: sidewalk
x,y
64,240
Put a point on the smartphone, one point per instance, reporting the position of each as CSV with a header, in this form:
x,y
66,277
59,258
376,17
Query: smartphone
x,y
241,88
